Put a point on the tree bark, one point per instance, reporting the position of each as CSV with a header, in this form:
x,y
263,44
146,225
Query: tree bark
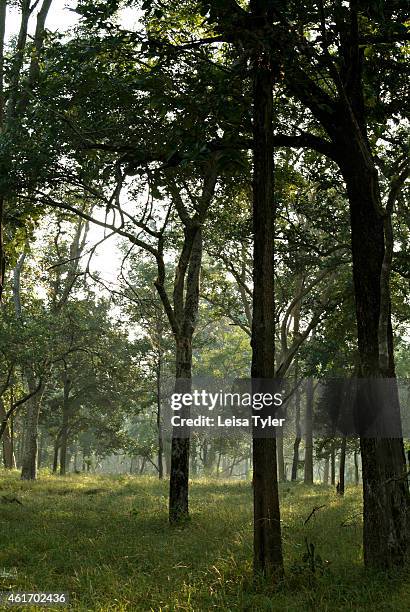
x,y
65,424
326,471
280,458
298,436
268,558
332,466
308,477
3,12
55,453
9,460
342,466
385,489
179,478
356,469
29,463
159,421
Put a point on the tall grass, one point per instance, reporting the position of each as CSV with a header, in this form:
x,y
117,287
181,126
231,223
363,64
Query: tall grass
x,y
107,542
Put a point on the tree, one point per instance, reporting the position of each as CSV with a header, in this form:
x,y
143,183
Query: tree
x,y
19,75
345,115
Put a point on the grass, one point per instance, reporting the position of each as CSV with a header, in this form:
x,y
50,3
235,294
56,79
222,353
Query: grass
x,y
106,541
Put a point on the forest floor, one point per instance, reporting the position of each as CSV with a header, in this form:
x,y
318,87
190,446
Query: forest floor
x,y
106,541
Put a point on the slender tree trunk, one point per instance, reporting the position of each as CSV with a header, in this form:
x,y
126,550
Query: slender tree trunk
x,y
356,468
295,461
55,453
64,443
280,458
167,456
218,465
159,422
333,466
326,471
9,460
66,421
29,463
342,466
298,435
308,479
268,558
194,456
40,451
144,461
298,438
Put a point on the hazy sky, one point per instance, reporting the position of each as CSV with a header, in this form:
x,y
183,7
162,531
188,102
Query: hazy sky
x,y
107,258
59,17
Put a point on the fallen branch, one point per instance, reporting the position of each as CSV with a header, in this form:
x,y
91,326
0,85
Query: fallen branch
x,y
11,500
315,509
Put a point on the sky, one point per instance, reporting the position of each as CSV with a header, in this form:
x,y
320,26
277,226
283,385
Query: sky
x,y
62,17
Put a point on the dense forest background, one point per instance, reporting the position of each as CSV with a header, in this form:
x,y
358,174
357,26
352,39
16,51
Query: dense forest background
x,y
205,189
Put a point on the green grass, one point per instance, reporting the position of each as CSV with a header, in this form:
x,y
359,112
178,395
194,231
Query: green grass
x,y
106,541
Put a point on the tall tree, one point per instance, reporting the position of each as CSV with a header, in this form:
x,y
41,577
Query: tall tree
x,y
331,80
267,531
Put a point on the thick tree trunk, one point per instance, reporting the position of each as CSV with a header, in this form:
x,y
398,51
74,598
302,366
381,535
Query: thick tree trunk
x,y
385,488
308,477
178,484
267,531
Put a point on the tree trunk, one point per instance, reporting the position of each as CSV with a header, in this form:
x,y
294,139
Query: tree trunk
x,y
280,458
9,460
342,466
3,13
55,453
40,451
308,478
159,423
268,558
194,456
178,487
63,446
65,424
29,463
298,435
385,488
167,456
326,471
295,460
332,466
144,460
356,469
